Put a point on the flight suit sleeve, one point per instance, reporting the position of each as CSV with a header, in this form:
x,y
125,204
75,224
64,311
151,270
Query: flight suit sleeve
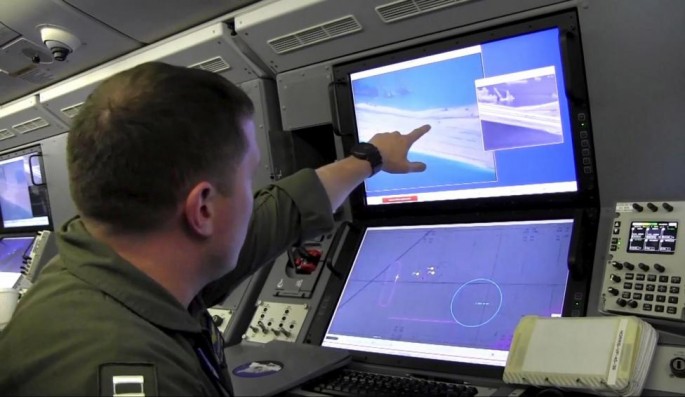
x,y
95,350
293,209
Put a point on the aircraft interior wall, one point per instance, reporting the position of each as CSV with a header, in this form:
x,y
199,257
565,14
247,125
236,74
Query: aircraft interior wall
x,y
632,61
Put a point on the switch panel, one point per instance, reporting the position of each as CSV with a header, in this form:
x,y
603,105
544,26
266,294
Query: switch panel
x,y
645,268
276,321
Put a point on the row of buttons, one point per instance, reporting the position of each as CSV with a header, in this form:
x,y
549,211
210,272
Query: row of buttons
x,y
659,308
647,306
652,278
650,297
650,287
585,145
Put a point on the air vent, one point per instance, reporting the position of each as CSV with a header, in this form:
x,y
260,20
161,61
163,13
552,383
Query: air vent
x,y
30,125
402,9
215,65
315,34
5,134
72,111
37,76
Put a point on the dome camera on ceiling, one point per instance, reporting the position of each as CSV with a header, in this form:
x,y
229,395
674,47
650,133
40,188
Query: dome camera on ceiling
x,y
60,42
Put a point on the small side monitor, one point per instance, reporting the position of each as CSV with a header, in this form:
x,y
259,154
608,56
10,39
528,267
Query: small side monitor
x,y
24,203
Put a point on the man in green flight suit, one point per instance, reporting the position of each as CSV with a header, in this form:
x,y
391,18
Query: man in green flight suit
x,y
160,163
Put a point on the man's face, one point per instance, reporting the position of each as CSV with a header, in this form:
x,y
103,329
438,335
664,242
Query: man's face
x,y
235,210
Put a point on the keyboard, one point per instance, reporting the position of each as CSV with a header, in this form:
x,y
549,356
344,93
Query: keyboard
x,y
349,382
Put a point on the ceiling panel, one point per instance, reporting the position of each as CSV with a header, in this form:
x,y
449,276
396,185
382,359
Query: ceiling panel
x,y
289,34
150,20
21,75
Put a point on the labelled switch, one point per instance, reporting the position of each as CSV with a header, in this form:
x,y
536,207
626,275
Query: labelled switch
x,y
652,207
659,268
621,302
668,207
637,207
615,278
254,329
613,291
643,266
617,265
275,331
628,265
285,332
632,304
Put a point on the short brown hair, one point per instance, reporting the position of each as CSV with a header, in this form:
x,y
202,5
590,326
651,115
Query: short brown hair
x,y
145,136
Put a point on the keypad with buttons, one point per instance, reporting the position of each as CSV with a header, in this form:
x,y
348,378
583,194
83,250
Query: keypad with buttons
x,y
636,281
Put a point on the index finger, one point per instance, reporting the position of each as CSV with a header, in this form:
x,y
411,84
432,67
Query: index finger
x,y
418,133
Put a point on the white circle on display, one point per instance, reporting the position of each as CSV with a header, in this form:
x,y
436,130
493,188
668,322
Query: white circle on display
x,y
472,291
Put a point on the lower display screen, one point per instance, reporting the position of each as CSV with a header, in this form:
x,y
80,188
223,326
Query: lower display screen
x,y
653,237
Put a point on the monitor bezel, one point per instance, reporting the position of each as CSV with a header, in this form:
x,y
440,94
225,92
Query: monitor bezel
x,y
576,93
575,300
16,230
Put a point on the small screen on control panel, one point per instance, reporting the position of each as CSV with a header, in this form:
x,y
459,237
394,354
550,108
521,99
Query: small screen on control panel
x,y
653,237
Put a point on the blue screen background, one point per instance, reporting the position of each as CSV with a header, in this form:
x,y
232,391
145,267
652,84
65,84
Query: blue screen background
x,y
451,83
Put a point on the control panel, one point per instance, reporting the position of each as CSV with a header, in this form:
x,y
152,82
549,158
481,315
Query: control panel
x,y
43,250
645,262
276,321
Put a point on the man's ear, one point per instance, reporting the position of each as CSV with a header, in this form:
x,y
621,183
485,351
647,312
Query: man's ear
x,y
200,209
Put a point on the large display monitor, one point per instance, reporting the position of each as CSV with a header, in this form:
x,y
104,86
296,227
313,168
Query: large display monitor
x,y
24,203
448,294
452,292
508,113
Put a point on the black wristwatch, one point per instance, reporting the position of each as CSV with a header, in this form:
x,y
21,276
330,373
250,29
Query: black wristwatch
x,y
369,152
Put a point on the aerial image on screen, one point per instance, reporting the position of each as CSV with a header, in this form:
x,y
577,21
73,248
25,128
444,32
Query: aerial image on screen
x,y
451,292
500,123
22,202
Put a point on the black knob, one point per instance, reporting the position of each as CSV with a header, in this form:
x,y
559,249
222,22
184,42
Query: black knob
x,y
469,392
659,268
678,367
617,265
638,207
218,320
652,207
629,265
643,266
621,302
615,278
263,327
668,207
613,291
632,304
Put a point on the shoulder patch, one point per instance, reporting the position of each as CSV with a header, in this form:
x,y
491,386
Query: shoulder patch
x,y
127,380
